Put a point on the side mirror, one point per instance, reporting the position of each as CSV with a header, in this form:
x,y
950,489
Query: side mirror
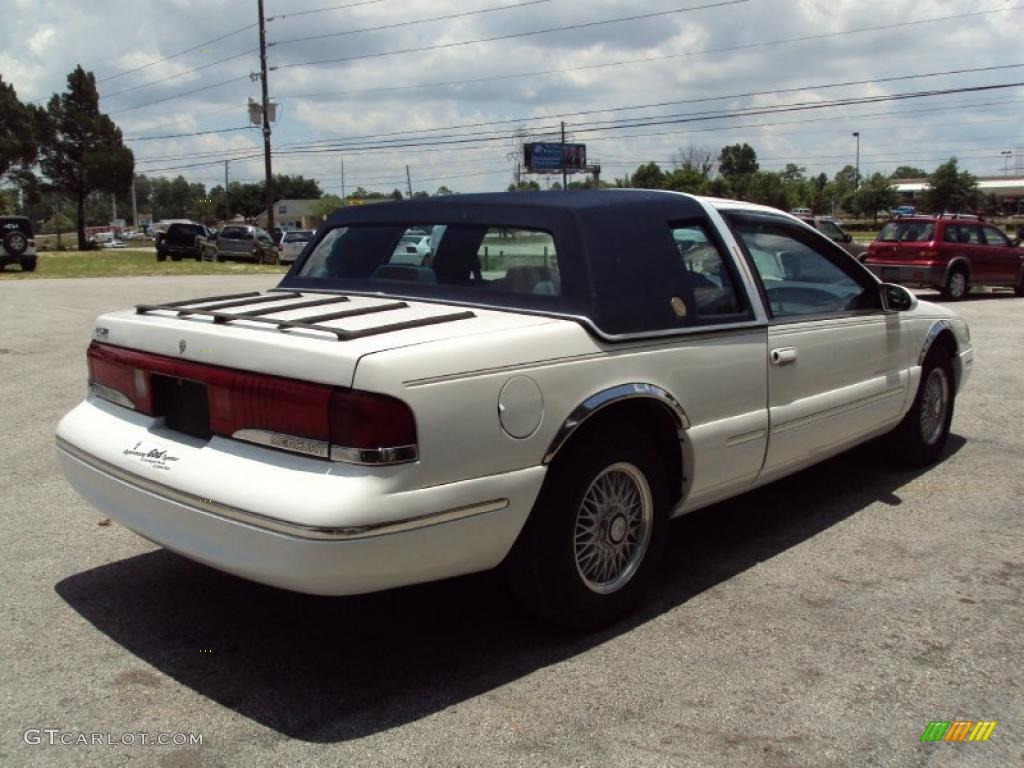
x,y
847,237
896,298
1015,243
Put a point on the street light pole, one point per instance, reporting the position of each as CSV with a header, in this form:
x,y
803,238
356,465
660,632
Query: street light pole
x,y
856,183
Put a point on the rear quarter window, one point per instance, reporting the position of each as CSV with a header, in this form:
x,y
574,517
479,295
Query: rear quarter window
x,y
235,233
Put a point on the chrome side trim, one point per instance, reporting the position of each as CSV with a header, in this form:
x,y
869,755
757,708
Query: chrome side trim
x,y
603,399
400,454
321,449
933,333
256,520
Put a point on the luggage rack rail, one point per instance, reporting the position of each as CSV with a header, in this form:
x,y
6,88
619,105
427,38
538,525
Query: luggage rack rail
x,y
213,306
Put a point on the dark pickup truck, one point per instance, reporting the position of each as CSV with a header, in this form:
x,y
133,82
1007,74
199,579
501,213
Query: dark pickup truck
x,y
189,241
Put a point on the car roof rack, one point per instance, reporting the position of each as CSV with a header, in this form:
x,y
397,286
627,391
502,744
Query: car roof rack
x,y
213,306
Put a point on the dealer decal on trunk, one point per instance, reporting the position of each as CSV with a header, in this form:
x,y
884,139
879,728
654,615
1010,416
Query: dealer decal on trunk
x,y
158,458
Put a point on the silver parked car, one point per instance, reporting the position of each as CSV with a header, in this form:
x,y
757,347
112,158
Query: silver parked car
x,y
244,241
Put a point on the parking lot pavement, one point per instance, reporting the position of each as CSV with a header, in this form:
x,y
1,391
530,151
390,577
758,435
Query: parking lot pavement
x,y
821,621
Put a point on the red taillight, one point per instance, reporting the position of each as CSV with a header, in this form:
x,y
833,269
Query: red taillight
x,y
114,377
369,421
293,415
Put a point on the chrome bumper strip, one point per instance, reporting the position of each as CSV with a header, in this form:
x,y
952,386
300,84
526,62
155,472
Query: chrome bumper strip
x,y
257,520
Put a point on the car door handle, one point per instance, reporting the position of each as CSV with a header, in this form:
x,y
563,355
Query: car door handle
x,y
783,356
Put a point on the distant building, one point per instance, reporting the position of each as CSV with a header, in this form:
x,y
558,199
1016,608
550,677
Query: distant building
x,y
293,214
1008,189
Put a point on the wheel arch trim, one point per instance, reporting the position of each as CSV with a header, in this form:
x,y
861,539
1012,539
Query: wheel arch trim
x,y
599,401
957,262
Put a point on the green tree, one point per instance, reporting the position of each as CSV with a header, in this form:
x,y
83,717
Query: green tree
x,y
327,205
768,188
525,186
699,159
23,127
877,192
908,172
950,189
793,173
442,191
396,194
685,179
86,152
295,187
737,160
648,176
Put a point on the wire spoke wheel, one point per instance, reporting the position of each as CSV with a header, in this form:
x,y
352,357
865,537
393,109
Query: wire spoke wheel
x,y
934,403
613,528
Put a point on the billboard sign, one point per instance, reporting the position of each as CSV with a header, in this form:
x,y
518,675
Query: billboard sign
x,y
552,157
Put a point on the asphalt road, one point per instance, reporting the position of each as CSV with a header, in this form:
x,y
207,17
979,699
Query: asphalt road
x,y
821,621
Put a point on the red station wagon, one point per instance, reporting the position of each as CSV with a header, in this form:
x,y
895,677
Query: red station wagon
x,y
950,252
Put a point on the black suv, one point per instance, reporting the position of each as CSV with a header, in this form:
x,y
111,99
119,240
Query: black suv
x,y
17,243
190,241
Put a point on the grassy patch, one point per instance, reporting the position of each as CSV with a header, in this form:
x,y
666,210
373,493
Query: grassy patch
x,y
128,263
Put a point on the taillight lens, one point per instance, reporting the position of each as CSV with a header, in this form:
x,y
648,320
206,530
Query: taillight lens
x,y
115,378
298,416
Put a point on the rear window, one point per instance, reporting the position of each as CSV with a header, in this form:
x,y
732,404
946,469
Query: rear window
x,y
236,233
12,224
488,259
907,232
184,230
299,236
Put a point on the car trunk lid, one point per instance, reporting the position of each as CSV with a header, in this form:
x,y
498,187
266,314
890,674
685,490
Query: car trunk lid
x,y
314,337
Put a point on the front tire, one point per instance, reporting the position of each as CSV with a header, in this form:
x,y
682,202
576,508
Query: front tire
x,y
593,540
921,437
957,285
1018,289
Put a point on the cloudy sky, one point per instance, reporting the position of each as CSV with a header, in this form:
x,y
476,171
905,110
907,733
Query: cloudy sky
x,y
387,83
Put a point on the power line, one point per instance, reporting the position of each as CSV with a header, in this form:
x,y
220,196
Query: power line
x,y
584,25
179,53
646,59
322,10
180,95
398,24
248,52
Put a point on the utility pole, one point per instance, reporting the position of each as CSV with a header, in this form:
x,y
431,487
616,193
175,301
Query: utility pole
x,y
342,177
561,160
226,175
135,206
266,119
408,181
856,183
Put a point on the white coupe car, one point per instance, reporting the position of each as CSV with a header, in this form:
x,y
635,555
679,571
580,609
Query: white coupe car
x,y
570,371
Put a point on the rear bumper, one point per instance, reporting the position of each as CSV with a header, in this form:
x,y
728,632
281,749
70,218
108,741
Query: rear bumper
x,y
277,522
909,274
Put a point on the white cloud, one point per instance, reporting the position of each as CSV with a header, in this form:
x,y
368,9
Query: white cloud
x,y
704,54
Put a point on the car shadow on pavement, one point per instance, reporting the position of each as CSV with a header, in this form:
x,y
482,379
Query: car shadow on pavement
x,y
332,669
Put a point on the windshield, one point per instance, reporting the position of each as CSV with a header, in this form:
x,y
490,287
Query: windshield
x,y
474,257
236,233
907,231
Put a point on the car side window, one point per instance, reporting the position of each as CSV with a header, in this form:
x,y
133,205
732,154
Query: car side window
x,y
713,288
969,234
994,237
798,278
951,234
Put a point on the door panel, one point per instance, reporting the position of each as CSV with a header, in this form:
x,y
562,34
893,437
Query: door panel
x,y
835,360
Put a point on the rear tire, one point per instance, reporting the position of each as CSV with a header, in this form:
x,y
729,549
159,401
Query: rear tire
x,y
595,535
161,256
921,437
270,259
957,285
28,263
1018,289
